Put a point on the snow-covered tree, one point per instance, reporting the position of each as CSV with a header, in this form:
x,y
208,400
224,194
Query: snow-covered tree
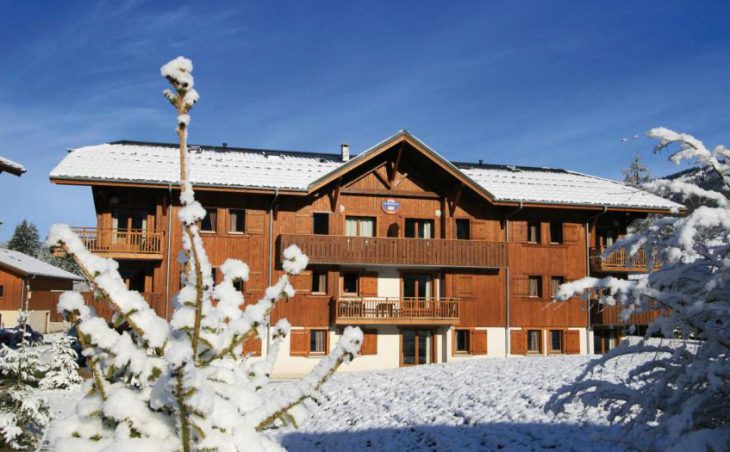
x,y
637,174
25,239
678,398
62,371
183,385
23,415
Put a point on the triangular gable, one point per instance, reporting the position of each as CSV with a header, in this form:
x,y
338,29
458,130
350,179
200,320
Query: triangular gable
x,y
401,137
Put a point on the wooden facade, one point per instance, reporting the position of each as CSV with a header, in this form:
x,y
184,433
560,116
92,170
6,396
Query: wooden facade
x,y
41,293
397,239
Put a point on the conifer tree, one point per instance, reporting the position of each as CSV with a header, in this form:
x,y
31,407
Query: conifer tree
x,y
62,371
25,239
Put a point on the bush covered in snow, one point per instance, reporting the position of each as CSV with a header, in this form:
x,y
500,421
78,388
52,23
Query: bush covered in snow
x,y
183,385
23,415
680,399
62,371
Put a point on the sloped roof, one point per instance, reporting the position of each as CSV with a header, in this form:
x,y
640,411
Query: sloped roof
x,y
28,265
11,167
157,163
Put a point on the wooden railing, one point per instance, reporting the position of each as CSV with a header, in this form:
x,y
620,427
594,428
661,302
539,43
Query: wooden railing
x,y
619,261
154,299
122,241
379,310
333,249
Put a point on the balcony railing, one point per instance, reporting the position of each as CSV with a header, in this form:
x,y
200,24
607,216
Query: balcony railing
x,y
123,243
619,261
154,299
332,249
377,310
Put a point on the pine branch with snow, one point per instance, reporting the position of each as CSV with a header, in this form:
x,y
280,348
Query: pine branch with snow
x,y
62,371
680,399
183,384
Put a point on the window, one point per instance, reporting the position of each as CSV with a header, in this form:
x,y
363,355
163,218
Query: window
x,y
321,223
418,285
535,286
239,285
533,341
318,341
236,221
319,281
418,228
556,341
555,283
533,232
214,274
349,283
2,291
556,232
129,219
360,226
462,341
463,230
209,222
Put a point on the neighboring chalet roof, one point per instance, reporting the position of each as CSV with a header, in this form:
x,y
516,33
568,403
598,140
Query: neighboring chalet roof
x,y
158,164
30,266
11,167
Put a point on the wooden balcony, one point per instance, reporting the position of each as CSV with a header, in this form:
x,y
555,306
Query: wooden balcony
x,y
619,262
401,311
123,243
154,299
336,250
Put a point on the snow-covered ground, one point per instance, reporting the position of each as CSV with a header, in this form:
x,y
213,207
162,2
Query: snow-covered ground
x,y
486,404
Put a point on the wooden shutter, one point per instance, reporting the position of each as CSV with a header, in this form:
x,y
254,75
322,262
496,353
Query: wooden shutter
x,y
571,232
519,231
464,286
299,343
572,342
370,342
478,230
252,345
518,342
368,284
303,223
521,286
302,282
478,342
255,221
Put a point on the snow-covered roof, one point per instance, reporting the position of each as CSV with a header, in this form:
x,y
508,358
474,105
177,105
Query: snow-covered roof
x,y
28,265
209,166
556,186
155,163
11,166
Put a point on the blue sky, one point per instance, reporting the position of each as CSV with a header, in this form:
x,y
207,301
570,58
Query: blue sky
x,y
536,83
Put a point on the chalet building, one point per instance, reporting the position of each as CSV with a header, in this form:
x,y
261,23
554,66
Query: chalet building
x,y
25,278
435,260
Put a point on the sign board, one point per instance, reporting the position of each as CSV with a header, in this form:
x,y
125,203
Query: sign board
x,y
390,206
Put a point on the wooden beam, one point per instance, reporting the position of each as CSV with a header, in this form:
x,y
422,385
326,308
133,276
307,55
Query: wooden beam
x,y
400,179
396,163
334,195
385,181
455,200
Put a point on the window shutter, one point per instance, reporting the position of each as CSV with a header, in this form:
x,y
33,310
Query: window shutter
x,y
370,342
453,341
303,281
521,286
478,342
254,285
369,284
571,232
518,342
572,342
479,230
252,345
299,343
464,286
255,220
519,231
303,224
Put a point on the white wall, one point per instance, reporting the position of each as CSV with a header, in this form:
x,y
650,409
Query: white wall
x,y
38,320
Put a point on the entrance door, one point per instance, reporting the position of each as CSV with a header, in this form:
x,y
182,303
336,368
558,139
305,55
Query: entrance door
x,y
417,347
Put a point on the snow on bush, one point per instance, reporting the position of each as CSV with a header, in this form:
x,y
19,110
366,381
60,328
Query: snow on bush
x,y
23,416
680,399
183,384
62,371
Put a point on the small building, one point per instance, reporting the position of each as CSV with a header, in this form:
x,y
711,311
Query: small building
x,y
22,278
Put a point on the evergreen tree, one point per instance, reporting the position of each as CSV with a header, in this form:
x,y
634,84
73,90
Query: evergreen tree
x,y
62,372
636,174
26,239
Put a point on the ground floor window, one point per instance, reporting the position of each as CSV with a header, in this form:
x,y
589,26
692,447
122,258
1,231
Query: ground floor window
x,y
533,341
318,341
462,341
416,347
556,341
